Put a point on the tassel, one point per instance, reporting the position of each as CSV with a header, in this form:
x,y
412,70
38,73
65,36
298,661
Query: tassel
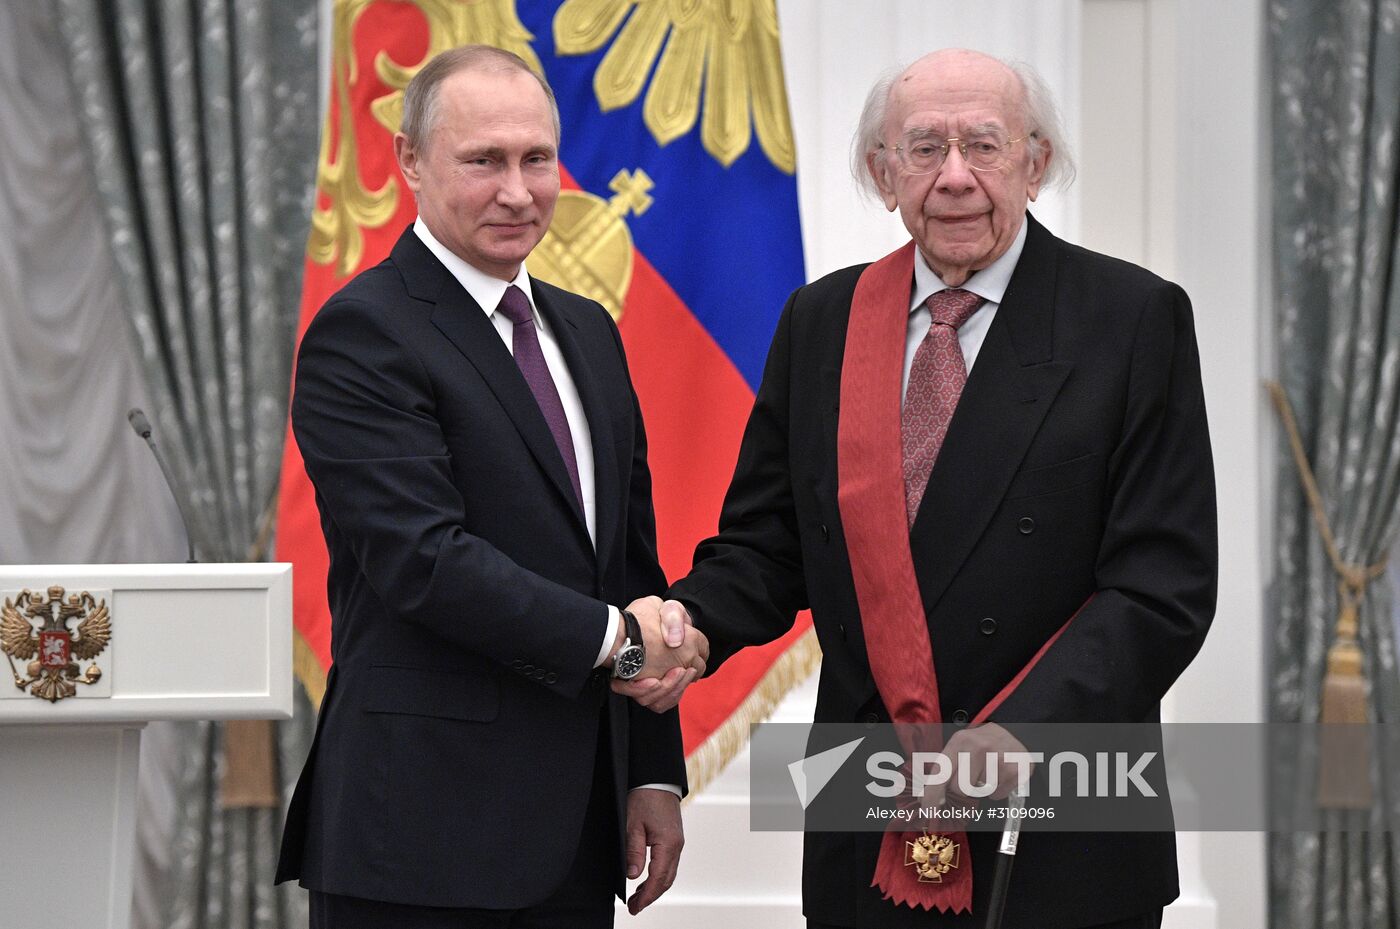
x,y
1344,749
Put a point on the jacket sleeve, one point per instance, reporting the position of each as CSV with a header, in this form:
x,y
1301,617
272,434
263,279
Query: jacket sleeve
x,y
363,413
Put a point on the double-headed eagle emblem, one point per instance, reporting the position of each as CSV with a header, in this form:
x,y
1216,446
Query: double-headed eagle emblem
x,y
36,627
932,856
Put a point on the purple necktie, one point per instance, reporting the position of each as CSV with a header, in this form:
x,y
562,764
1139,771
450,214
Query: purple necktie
x,y
515,306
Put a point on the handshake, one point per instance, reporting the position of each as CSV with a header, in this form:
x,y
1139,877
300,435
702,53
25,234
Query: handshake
x,y
675,654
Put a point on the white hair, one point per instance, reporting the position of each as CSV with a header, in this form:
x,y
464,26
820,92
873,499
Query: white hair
x,y
1041,118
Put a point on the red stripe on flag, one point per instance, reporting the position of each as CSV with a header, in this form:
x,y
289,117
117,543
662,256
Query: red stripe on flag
x,y
695,404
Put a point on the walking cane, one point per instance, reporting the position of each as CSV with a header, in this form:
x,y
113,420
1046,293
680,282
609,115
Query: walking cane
x,y
1010,835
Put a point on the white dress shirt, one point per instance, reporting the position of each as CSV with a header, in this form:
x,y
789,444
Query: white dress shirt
x,y
989,284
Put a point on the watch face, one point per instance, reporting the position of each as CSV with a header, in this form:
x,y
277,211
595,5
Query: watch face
x,y
629,661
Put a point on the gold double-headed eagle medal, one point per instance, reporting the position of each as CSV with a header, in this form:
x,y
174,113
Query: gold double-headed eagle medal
x,y
931,855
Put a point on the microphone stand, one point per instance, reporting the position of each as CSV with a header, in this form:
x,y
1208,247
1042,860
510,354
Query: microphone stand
x,y
142,425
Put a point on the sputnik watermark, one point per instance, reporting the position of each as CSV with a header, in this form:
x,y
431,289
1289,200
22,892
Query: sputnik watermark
x,y
1114,774
1086,777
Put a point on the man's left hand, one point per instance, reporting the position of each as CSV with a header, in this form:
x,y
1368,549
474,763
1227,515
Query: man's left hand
x,y
653,822
979,742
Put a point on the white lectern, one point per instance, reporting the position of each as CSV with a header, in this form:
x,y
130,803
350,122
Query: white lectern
x,y
116,647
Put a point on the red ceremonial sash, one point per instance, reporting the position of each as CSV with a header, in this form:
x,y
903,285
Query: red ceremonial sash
x,y
870,495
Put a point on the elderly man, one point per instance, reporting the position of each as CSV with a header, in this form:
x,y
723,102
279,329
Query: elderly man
x,y
980,459
480,467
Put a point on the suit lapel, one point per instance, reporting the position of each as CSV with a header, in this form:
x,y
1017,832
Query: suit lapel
x,y
465,324
606,492
1007,395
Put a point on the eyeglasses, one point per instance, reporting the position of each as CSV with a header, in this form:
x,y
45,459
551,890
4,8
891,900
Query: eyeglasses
x,y
923,154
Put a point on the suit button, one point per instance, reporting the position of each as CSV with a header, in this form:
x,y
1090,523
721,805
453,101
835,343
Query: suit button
x,y
551,677
1026,525
528,669
539,674
988,626
826,533
960,718
517,663
870,720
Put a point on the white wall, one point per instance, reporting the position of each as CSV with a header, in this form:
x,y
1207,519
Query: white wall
x,y
1220,231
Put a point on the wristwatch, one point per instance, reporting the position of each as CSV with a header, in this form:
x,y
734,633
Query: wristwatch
x,y
630,658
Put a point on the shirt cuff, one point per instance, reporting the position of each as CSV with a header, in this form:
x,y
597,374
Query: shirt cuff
x,y
669,788
614,617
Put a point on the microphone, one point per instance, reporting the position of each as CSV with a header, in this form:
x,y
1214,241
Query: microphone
x,y
142,425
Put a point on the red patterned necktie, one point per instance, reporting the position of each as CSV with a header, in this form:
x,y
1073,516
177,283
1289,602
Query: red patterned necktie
x,y
936,381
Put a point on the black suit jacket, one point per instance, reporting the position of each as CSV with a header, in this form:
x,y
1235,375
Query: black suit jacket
x,y
1077,462
456,744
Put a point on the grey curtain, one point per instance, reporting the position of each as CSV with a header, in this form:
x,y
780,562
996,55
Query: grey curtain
x,y
76,485
199,120
1336,114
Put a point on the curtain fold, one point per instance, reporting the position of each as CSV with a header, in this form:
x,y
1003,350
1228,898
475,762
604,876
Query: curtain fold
x,y
199,120
1336,112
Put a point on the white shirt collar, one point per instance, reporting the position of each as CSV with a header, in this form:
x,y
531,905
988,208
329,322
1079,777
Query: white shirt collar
x,y
989,283
486,290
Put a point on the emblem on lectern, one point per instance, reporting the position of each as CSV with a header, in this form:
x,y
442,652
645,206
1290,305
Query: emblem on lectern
x,y
35,628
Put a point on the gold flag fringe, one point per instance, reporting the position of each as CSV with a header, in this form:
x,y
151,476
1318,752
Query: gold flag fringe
x,y
308,670
796,665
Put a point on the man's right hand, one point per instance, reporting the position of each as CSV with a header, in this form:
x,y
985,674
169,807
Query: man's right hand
x,y
669,668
